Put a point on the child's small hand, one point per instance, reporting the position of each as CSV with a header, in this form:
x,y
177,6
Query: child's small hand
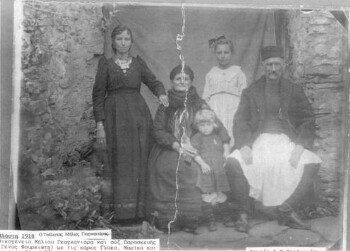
x,y
295,156
247,155
205,168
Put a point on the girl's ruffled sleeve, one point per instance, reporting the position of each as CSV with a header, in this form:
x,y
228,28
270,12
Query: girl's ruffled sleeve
x,y
242,82
206,89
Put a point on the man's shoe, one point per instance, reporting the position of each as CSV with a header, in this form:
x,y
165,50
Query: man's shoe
x,y
294,221
287,217
242,224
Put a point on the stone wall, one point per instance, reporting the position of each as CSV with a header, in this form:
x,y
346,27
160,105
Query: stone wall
x,y
62,44
318,48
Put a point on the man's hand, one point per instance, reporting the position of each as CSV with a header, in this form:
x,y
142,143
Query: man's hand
x,y
295,155
247,155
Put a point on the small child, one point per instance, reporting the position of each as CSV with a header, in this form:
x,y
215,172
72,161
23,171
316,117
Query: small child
x,y
212,181
224,83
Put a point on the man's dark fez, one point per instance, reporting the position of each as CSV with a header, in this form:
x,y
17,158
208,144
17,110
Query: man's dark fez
x,y
271,52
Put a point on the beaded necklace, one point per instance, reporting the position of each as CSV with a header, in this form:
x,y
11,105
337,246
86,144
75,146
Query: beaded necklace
x,y
123,64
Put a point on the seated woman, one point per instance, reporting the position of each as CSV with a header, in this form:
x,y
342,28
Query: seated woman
x,y
174,196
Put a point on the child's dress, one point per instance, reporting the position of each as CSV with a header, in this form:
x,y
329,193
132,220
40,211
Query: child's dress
x,y
222,91
210,149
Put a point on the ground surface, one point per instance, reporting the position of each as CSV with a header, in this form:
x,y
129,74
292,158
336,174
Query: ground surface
x,y
324,232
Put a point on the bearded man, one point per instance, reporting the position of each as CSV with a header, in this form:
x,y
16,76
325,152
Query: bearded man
x,y
274,130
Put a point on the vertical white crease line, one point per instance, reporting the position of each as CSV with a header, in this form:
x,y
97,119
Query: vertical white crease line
x,y
345,206
274,26
17,77
179,38
347,155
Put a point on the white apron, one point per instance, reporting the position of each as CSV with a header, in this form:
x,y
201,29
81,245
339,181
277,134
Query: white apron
x,y
271,178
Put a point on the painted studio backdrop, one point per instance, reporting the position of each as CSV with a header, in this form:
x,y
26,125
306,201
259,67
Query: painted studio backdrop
x,y
60,167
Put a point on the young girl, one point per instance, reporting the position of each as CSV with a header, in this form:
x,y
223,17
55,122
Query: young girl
x,y
224,83
210,157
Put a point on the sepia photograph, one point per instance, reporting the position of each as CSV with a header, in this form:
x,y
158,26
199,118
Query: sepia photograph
x,y
207,126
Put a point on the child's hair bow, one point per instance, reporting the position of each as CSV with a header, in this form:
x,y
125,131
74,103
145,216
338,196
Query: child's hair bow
x,y
214,40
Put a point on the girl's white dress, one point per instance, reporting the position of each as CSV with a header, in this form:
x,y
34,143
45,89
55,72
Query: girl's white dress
x,y
222,91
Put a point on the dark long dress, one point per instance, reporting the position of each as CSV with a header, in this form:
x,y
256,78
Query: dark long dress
x,y
168,172
127,121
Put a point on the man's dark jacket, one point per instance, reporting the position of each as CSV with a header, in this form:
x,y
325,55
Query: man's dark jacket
x,y
296,114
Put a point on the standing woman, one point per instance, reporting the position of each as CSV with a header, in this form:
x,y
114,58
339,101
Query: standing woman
x,y
124,123
224,83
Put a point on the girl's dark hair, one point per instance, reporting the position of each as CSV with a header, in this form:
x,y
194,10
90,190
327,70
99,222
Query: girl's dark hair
x,y
224,41
178,69
118,30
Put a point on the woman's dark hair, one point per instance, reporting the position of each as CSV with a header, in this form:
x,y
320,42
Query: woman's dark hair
x,y
118,30
178,69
